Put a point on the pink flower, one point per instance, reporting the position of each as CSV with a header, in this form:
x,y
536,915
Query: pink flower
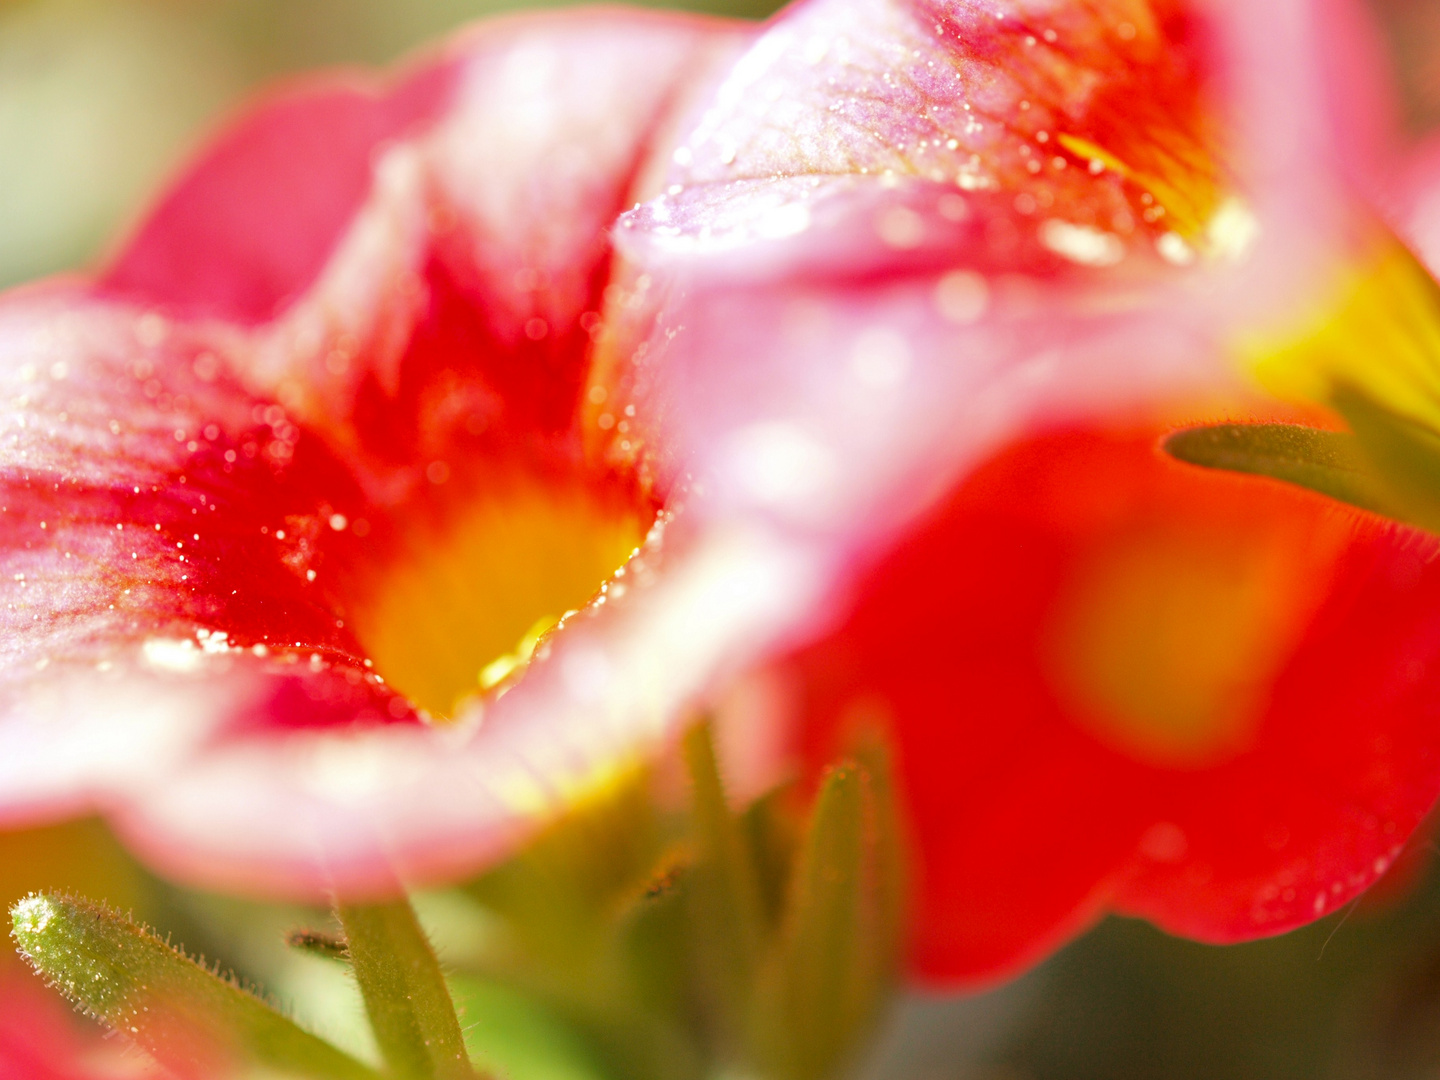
x,y
303,465
967,265
884,360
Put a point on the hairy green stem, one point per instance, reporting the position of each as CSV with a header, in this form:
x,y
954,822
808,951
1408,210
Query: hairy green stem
x,y
185,1016
727,884
405,994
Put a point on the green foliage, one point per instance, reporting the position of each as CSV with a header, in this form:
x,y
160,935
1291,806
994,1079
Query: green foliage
x,y
184,1015
1330,462
1404,455
725,893
1386,463
594,930
511,1035
832,966
760,941
405,994
645,936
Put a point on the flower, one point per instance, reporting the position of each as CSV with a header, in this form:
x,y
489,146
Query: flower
x,y
40,1040
294,493
972,263
881,370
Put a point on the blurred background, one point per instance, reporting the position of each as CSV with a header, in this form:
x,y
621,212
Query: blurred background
x,y
101,99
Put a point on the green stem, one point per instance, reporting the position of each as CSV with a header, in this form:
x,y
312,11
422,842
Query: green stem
x,y
186,1017
405,994
727,884
836,966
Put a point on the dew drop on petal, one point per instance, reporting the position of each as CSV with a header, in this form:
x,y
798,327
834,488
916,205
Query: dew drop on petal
x,y
880,357
900,227
1082,244
962,296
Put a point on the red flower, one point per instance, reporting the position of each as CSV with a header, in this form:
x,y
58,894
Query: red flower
x,y
41,1040
914,301
970,263
304,465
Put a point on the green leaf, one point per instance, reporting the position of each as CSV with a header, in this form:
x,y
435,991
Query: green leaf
x,y
1404,453
405,994
1387,463
835,968
185,1016
771,827
725,887
872,752
593,925
1330,462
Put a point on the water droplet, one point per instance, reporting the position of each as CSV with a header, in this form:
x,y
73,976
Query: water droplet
x,y
962,296
900,227
1081,243
880,357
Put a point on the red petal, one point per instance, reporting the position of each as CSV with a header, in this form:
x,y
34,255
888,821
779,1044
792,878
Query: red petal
x,y
142,505
39,1040
881,339
1030,816
452,300
256,218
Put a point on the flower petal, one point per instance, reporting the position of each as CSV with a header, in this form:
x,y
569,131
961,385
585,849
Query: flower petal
x,y
898,304
459,295
844,230
41,1040
143,540
267,757
1192,751
360,810
1414,201
254,221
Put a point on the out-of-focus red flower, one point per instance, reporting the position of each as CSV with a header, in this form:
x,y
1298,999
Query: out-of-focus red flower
x,y
970,264
40,1039
291,493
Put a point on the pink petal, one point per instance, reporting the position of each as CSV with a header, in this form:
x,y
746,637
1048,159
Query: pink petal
x,y
255,220
842,231
221,713
888,322
1413,201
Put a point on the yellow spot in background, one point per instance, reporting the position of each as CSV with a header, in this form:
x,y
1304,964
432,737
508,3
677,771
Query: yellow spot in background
x,y
464,606
1164,646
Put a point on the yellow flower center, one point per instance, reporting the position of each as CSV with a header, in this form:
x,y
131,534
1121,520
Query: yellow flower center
x,y
460,605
